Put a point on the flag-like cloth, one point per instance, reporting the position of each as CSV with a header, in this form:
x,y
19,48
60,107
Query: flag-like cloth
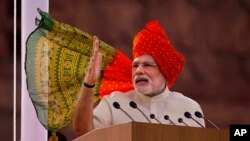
x,y
57,56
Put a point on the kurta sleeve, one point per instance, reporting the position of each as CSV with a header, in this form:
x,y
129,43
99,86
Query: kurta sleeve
x,y
102,114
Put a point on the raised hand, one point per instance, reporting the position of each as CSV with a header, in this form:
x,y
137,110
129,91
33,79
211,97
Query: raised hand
x,y
83,110
93,70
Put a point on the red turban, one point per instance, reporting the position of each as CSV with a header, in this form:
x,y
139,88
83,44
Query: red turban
x,y
152,40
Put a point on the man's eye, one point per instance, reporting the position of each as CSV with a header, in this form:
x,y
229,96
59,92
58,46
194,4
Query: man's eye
x,y
147,65
135,65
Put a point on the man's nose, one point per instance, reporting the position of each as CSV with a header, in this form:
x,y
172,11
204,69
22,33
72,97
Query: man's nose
x,y
140,69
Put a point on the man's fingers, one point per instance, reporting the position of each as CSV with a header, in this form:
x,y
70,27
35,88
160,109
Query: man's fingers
x,y
95,47
95,42
95,63
96,58
99,58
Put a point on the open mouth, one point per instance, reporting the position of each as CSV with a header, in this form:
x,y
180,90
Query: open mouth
x,y
141,80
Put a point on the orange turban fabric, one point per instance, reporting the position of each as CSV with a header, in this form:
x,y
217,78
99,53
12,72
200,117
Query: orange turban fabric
x,y
152,40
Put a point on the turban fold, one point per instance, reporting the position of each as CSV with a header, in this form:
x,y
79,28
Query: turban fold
x,y
153,41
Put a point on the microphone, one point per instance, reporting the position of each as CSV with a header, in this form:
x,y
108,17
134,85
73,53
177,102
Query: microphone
x,y
134,105
166,117
180,120
152,116
117,106
199,115
188,115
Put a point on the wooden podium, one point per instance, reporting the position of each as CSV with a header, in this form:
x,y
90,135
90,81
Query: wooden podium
x,y
137,131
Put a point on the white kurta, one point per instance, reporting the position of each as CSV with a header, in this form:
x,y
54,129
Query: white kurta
x,y
169,103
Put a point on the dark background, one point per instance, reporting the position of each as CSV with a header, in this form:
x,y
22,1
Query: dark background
x,y
213,35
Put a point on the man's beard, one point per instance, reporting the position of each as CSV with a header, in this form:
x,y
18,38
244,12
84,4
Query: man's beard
x,y
148,91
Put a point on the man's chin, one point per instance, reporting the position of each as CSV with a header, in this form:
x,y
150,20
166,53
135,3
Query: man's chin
x,y
149,94
143,91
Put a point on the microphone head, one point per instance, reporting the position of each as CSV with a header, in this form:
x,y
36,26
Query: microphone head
x,y
166,117
133,104
116,105
198,114
180,120
152,116
187,115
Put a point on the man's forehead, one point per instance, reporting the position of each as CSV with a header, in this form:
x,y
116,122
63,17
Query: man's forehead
x,y
144,58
